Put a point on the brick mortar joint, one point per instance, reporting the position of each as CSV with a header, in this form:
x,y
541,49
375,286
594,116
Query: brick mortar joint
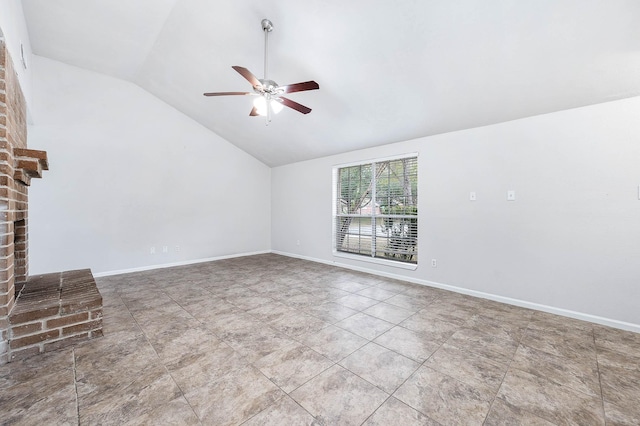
x,y
45,328
58,338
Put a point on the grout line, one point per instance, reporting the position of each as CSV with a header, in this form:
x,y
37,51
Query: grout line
x,y
604,411
75,384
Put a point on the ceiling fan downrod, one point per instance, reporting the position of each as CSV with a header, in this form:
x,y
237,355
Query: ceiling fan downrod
x,y
267,27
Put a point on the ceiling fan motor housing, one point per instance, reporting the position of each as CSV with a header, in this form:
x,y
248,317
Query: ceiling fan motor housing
x,y
268,86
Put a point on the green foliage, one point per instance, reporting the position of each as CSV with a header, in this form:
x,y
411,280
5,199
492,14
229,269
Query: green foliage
x,y
399,210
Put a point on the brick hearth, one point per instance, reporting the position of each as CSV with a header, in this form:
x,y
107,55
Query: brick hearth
x,y
53,311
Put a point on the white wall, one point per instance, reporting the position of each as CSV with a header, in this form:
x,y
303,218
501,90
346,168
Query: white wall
x,y
128,172
13,28
570,241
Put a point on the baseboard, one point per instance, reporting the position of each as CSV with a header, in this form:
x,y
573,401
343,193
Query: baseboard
x,y
516,302
181,263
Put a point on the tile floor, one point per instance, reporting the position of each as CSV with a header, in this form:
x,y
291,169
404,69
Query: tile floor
x,y
270,340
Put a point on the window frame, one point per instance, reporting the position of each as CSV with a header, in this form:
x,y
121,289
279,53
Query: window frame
x,y
335,215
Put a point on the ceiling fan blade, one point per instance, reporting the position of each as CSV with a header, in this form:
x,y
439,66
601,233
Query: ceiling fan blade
x,y
300,87
291,104
226,93
254,112
248,75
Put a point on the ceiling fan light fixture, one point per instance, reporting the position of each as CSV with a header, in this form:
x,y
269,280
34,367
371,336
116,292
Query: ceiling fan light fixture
x,y
260,103
276,106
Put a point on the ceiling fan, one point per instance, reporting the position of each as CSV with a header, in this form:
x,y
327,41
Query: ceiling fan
x,y
268,92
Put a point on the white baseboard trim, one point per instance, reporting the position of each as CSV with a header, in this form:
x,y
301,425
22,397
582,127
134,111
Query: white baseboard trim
x,y
181,263
510,301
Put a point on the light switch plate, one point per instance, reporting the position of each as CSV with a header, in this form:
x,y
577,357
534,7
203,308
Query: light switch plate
x,y
472,196
511,195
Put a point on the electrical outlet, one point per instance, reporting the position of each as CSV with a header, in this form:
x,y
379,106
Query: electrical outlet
x,y
152,250
177,249
511,195
165,249
434,263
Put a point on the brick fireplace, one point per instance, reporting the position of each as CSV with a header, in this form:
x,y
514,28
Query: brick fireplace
x,y
48,311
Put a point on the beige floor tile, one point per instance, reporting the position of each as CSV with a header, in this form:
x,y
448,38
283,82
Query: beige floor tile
x,y
176,412
199,368
248,302
206,310
444,312
331,312
301,300
35,368
128,399
618,416
613,339
285,411
389,313
571,344
292,366
172,348
409,343
262,342
365,325
350,286
443,398
580,376
505,329
333,342
469,368
550,401
396,286
45,399
619,359
234,398
297,323
357,302
503,414
380,366
271,312
339,397
326,293
407,302
394,412
486,345
620,386
436,330
377,293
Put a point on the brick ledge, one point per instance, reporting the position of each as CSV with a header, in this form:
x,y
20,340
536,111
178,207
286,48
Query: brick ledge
x,y
54,310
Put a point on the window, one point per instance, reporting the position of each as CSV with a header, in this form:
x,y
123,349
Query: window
x,y
376,209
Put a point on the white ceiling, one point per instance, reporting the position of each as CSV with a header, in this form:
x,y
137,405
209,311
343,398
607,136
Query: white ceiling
x,y
389,70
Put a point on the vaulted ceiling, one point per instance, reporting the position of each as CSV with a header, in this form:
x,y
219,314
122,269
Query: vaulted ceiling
x,y
389,70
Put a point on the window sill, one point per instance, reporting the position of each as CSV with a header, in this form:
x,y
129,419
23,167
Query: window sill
x,y
385,262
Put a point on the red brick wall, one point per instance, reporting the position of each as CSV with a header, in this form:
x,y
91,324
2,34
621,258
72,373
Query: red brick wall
x,y
13,193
